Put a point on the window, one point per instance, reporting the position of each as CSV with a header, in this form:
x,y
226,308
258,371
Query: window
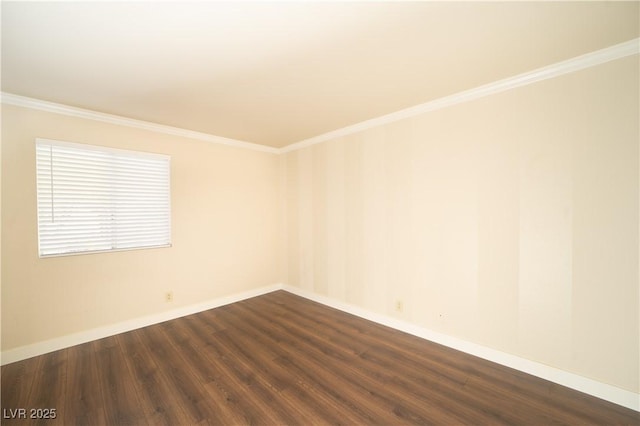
x,y
93,199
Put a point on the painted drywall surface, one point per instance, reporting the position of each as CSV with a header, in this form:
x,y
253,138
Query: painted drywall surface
x,y
510,221
225,230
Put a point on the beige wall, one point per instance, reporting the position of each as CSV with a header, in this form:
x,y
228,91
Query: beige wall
x,y
510,221
225,225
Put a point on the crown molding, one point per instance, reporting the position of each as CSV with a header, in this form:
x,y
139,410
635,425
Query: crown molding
x,y
631,47
26,102
618,51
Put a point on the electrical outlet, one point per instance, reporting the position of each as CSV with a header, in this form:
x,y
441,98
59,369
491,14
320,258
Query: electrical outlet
x,y
168,296
399,306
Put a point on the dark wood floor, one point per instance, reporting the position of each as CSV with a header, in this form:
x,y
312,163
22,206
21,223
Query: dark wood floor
x,y
281,359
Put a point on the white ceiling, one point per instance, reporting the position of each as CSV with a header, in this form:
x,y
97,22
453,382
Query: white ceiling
x,y
275,73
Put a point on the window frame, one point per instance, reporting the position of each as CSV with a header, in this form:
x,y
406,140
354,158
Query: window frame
x,y
123,154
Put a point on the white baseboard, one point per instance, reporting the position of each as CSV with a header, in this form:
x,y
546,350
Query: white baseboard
x,y
574,381
589,386
40,348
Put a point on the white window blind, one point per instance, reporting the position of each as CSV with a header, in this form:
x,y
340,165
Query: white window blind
x,y
99,199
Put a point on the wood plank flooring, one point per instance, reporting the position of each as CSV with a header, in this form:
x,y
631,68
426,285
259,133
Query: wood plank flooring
x,y
281,359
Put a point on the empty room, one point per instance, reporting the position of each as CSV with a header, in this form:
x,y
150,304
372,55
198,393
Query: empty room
x,y
320,213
